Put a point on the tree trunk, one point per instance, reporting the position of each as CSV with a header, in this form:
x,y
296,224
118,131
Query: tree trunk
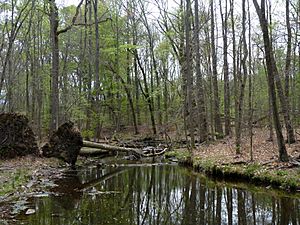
x,y
272,71
290,130
146,92
189,76
224,17
54,105
216,100
97,76
242,77
203,130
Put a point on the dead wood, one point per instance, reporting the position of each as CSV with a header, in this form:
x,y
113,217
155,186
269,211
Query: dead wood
x,y
87,151
135,151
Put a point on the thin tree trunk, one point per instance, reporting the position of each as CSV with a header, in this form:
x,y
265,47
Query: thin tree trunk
x,y
88,39
189,76
250,87
203,130
290,130
224,17
242,82
146,92
216,108
97,76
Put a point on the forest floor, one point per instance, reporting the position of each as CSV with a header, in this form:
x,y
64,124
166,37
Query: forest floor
x,y
264,151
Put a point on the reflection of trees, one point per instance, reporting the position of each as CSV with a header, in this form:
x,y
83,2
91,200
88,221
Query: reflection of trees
x,y
160,195
229,205
241,208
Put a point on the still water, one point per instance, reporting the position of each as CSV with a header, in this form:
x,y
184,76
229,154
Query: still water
x,y
156,194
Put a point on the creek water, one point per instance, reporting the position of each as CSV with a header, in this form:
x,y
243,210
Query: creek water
x,y
156,193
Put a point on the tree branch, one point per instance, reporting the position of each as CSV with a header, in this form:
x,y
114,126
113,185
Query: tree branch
x,y
73,20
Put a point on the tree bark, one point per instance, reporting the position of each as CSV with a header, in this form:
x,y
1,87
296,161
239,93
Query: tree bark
x,y
97,70
242,77
290,130
54,105
272,71
224,17
203,130
216,99
189,76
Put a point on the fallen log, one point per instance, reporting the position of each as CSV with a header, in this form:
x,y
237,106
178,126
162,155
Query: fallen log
x,y
87,151
134,151
112,148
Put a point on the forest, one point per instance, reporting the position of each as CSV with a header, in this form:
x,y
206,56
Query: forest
x,y
193,70
150,112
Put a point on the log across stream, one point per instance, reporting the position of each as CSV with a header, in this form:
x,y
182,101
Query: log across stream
x,y
94,148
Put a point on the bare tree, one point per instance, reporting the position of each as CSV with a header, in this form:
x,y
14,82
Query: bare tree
x,y
272,71
203,129
224,18
189,97
216,98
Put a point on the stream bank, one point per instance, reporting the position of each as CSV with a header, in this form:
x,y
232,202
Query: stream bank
x,y
283,176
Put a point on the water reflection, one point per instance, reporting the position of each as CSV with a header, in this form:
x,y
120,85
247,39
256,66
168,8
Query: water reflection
x,y
157,195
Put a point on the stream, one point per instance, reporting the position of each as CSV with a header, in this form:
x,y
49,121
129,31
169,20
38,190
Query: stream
x,y
127,192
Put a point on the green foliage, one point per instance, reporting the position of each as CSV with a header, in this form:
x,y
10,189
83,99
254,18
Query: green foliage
x,y
252,169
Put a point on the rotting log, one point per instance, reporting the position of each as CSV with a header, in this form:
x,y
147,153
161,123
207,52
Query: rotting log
x,y
134,151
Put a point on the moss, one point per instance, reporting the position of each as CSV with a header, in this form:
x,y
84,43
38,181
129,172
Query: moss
x,y
181,155
254,172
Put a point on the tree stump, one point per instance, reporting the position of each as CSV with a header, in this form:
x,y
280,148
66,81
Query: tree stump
x,y
16,137
64,144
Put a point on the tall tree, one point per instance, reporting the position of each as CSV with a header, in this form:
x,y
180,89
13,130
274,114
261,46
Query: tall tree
x,y
216,98
203,129
224,18
54,35
242,77
272,71
290,130
189,87
97,71
54,105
